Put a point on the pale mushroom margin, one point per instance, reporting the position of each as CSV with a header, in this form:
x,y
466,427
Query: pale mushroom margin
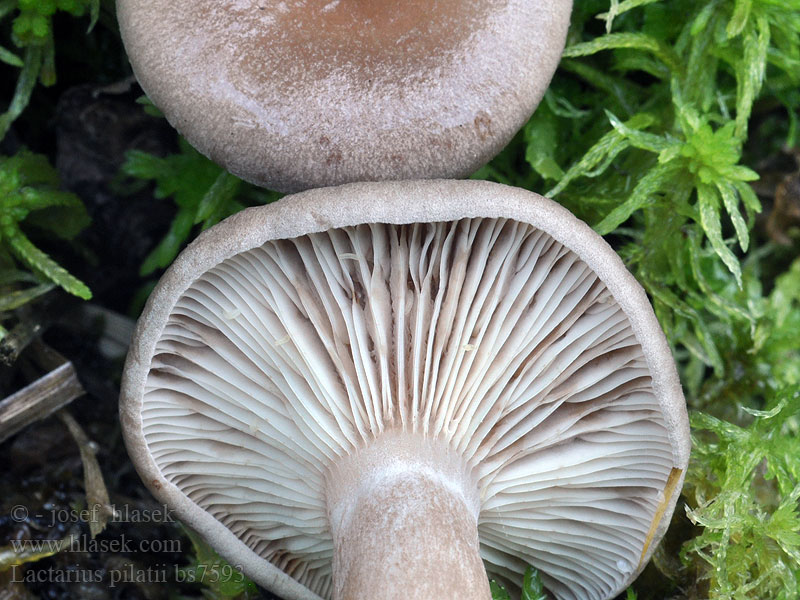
x,y
503,463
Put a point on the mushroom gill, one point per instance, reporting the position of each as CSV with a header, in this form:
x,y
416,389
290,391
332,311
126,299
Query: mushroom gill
x,y
484,334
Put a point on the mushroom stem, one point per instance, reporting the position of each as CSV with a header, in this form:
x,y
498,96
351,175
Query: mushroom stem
x,y
405,527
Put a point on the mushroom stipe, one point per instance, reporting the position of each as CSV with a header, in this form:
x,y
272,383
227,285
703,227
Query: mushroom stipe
x,y
467,377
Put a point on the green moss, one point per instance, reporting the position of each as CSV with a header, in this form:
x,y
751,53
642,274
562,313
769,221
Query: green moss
x,y
745,484
218,579
29,186
32,34
643,134
203,192
531,587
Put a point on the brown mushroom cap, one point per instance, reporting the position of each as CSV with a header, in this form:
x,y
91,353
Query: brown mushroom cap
x,y
479,336
307,93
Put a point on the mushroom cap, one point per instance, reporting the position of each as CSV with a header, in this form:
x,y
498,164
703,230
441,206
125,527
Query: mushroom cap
x,y
481,316
307,93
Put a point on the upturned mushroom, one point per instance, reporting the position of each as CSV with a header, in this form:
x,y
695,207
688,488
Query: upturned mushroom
x,y
377,390
306,93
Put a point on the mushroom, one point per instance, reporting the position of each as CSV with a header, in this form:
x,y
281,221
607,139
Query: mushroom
x,y
363,391
306,93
